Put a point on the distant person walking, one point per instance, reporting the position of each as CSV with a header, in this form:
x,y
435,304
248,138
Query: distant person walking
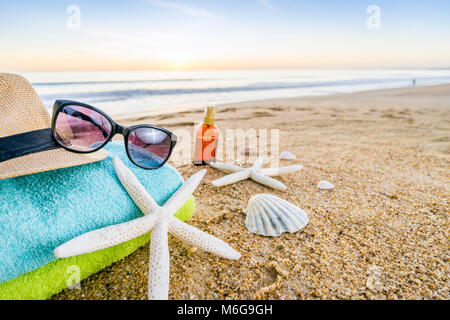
x,y
414,82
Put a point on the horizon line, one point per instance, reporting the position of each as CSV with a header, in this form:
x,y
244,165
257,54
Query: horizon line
x,y
227,69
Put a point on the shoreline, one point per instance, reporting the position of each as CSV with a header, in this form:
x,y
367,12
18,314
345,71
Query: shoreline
x,y
174,109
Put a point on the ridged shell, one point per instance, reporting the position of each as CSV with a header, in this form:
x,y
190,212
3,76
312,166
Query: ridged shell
x,y
270,216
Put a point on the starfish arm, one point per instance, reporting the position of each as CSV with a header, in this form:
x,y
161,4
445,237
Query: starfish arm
x,y
225,167
134,188
183,193
272,183
159,263
201,239
106,237
232,178
272,172
258,163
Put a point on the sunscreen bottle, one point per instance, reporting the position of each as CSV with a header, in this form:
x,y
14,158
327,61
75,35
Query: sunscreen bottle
x,y
206,139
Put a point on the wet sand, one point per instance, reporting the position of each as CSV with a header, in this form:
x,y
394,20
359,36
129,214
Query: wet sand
x,y
382,233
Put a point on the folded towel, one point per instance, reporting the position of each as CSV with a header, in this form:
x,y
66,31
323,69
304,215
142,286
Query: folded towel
x,y
41,211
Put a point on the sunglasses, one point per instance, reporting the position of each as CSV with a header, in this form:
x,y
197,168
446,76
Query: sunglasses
x,y
82,128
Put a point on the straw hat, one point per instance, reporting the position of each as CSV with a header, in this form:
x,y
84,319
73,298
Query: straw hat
x,y
21,110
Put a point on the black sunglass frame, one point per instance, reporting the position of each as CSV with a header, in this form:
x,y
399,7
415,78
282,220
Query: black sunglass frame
x,y
115,129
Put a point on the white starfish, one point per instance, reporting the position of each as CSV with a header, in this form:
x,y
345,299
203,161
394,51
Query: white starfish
x,y
158,220
262,176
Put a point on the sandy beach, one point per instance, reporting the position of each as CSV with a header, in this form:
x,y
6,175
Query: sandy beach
x,y
382,233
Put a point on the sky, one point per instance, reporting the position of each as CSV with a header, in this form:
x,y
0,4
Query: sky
x,y
234,34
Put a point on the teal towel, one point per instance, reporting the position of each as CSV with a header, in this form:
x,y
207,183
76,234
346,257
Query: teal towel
x,y
41,211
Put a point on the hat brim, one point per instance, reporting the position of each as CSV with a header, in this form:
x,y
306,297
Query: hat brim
x,y
46,161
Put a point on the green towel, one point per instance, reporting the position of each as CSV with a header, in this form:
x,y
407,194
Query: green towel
x,y
52,278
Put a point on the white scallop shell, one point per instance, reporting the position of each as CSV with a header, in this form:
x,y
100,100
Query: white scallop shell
x,y
270,216
325,185
286,155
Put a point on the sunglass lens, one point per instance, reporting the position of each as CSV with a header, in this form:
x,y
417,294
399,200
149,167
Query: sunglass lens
x,y
149,147
81,129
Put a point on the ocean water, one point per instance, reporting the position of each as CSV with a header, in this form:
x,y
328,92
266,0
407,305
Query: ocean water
x,y
123,92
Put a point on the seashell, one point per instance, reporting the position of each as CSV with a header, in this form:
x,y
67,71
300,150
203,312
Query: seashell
x,y
325,185
270,216
286,155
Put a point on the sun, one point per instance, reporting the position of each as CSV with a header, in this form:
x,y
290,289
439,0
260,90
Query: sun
x,y
179,62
